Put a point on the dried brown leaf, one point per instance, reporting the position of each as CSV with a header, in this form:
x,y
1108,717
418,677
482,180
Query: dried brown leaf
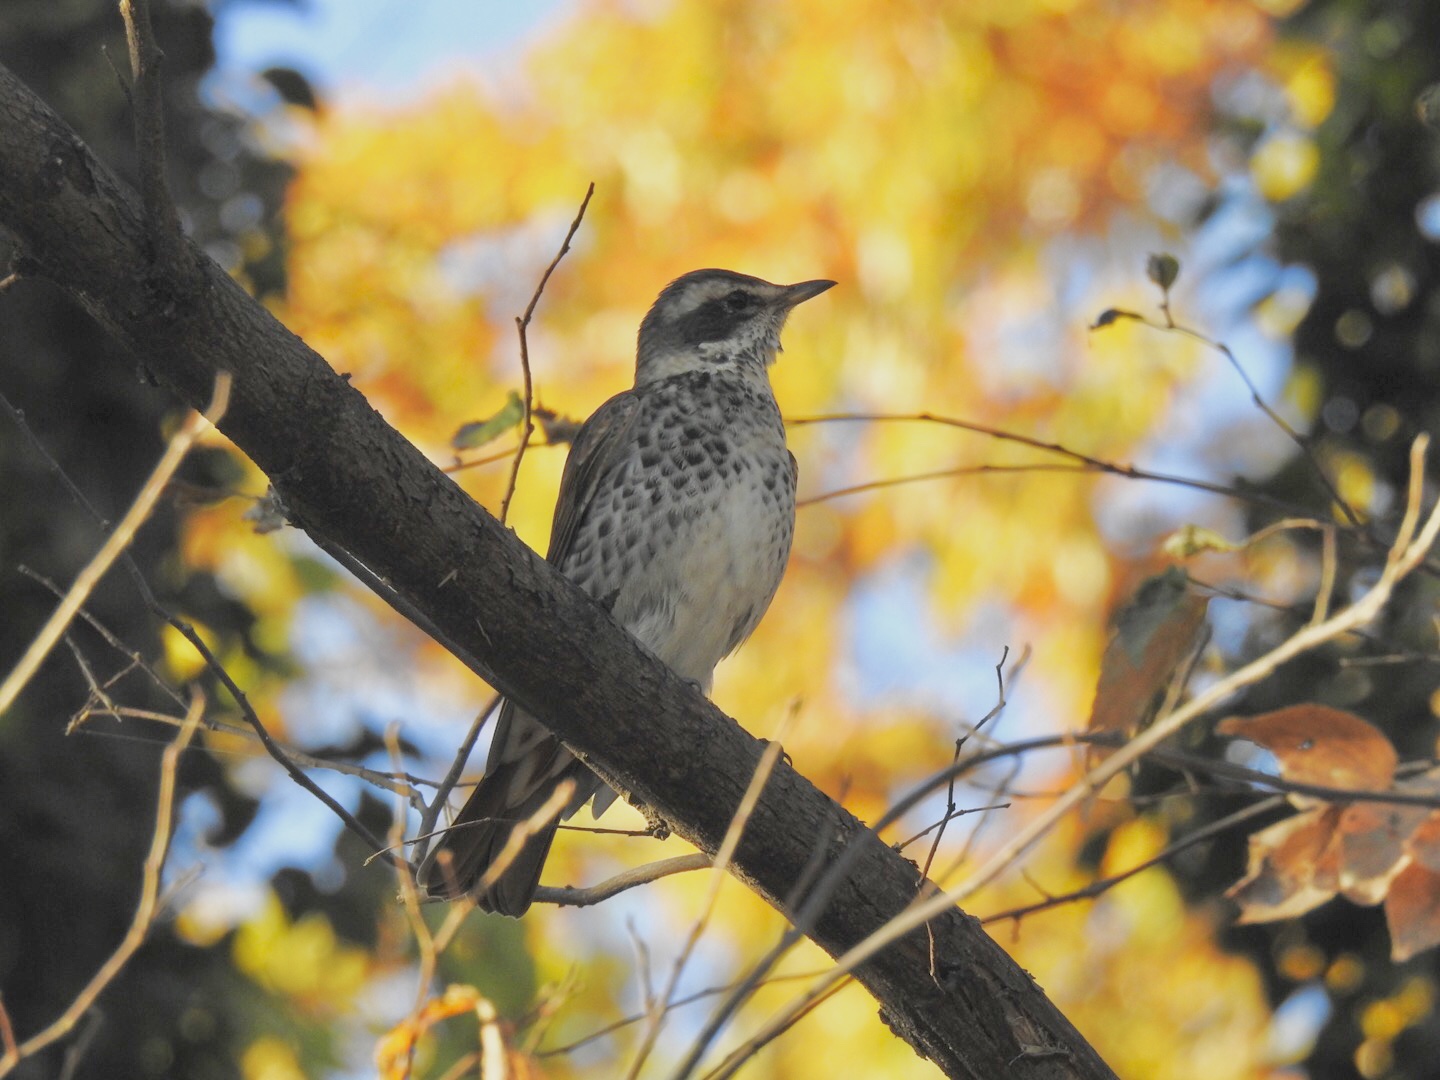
x,y
1424,843
1293,867
1316,744
1412,911
1152,635
1372,847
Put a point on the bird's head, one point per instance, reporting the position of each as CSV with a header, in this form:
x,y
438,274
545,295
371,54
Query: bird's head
x,y
713,319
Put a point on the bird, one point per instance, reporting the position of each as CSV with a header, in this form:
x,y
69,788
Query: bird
x,y
676,512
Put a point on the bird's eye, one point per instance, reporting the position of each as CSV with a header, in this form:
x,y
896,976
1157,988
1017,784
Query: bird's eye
x,y
737,301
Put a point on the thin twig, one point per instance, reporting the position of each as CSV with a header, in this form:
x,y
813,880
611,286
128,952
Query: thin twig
x,y
950,807
403,783
635,1018
431,813
966,811
522,325
145,911
1086,462
1279,421
571,896
722,864
292,770
169,250
1407,553
940,474
1103,885
175,451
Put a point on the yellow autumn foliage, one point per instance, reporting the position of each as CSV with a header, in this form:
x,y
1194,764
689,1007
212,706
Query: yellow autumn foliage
x,y
959,169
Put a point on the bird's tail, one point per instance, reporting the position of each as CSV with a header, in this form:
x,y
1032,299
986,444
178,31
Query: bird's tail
x,y
479,835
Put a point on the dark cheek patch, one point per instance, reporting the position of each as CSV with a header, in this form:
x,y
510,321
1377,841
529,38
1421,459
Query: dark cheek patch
x,y
708,322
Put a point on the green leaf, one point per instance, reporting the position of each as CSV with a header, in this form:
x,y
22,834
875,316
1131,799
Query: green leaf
x,y
1163,269
479,432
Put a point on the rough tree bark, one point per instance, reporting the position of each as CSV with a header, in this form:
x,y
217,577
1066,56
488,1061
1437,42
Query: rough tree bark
x,y
351,480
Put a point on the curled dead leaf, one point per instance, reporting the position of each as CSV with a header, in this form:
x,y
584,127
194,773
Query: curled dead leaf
x,y
1316,744
1152,636
1424,843
1412,912
1293,867
1372,847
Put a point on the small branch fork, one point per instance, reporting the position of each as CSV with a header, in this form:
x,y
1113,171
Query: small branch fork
x,y
117,541
1279,421
169,250
115,547
522,325
1408,551
145,911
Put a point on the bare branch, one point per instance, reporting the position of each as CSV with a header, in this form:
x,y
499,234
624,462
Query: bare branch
x,y
144,912
1408,551
1103,885
570,896
722,864
1085,463
175,451
522,325
169,251
1279,421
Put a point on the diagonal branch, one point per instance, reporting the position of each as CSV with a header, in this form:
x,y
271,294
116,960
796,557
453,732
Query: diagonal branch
x,y
1408,552
350,480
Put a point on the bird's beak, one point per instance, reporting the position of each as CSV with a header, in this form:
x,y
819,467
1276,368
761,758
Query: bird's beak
x,y
805,290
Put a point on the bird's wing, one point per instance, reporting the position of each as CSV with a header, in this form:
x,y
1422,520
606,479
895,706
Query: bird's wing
x,y
598,446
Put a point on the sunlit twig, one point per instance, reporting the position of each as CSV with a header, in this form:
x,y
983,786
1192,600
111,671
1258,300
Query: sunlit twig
x,y
522,325
571,896
145,910
1408,551
119,538
722,863
1085,463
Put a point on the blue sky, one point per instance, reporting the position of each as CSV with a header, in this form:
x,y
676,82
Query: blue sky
x,y
396,50
393,47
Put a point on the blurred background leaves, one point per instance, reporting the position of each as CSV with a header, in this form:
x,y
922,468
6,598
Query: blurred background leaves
x,y
983,179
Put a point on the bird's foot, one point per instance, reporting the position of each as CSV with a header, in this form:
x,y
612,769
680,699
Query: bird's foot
x,y
657,826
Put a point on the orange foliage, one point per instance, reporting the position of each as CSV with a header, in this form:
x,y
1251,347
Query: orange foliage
x,y
925,155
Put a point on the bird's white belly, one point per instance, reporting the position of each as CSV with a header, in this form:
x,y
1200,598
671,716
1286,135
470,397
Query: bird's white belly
x,y
710,585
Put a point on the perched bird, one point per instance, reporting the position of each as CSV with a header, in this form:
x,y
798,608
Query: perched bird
x,y
676,511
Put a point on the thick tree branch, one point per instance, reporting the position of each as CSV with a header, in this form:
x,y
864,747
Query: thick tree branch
x,y
350,480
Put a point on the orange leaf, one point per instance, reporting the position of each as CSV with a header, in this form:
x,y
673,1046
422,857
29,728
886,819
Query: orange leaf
x,y
1292,869
1316,744
1412,912
1372,847
1424,842
1152,634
